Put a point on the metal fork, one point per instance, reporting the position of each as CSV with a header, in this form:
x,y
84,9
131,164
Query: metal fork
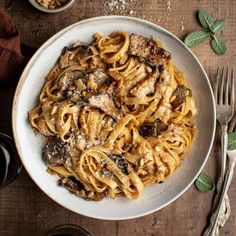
x,y
225,103
214,226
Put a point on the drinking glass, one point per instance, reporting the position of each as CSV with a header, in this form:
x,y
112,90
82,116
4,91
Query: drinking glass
x,y
10,165
68,230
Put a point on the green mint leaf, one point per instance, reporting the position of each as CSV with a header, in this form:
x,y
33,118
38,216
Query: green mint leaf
x,y
205,19
204,183
195,38
232,141
218,45
218,25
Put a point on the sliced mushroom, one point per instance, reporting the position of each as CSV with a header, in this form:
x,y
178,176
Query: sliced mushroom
x,y
69,56
180,94
153,129
120,161
100,81
144,88
147,51
106,104
73,83
55,152
100,77
70,78
75,187
105,172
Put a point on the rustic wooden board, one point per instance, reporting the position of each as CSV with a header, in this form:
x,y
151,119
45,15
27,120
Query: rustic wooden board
x,y
26,210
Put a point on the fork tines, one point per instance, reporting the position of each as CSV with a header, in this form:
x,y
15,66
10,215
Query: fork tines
x,y
224,87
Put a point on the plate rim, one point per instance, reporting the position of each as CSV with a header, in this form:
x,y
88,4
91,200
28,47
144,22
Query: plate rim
x,y
48,42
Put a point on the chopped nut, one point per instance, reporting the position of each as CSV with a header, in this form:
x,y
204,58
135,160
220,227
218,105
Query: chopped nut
x,y
51,7
141,162
52,4
72,87
80,85
71,56
91,194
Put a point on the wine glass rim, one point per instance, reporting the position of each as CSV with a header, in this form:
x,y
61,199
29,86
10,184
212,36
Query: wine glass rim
x,y
5,136
71,226
7,145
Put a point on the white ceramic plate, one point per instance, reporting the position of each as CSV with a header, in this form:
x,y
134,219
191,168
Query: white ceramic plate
x,y
30,145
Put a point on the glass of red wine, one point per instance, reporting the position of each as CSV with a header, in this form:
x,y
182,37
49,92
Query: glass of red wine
x,y
10,165
68,230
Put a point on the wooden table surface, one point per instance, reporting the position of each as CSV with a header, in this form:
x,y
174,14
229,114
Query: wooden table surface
x,y
26,210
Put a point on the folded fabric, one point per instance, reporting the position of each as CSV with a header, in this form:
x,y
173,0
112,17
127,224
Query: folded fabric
x,y
10,52
11,58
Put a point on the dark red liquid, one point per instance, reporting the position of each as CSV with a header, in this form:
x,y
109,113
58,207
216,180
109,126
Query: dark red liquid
x,y
65,234
68,230
2,167
10,164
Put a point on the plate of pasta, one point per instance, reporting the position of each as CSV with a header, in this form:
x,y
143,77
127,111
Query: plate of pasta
x,y
113,117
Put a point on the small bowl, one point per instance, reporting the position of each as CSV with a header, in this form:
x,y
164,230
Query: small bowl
x,y
47,10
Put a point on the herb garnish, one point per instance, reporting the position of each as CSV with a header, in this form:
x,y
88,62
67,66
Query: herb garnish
x,y
210,27
204,183
195,38
232,141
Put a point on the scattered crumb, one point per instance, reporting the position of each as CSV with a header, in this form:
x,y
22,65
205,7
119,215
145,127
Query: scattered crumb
x,y
120,5
116,7
166,15
124,7
182,23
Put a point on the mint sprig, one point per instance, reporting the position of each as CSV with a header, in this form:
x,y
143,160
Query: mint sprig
x,y
210,28
195,38
218,25
204,183
218,45
232,141
205,19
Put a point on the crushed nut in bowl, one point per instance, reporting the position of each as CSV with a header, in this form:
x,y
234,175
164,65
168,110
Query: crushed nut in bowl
x,y
51,6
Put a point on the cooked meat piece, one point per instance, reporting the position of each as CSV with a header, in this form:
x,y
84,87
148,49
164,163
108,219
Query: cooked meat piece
x,y
180,94
78,97
105,172
55,152
99,81
69,56
73,83
108,88
100,77
75,187
144,88
70,79
64,60
120,161
147,51
104,102
80,49
73,96
153,129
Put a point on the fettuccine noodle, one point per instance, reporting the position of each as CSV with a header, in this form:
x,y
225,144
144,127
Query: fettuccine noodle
x,y
118,116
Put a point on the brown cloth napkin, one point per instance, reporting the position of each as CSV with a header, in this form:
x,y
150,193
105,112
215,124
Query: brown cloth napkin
x,y
11,59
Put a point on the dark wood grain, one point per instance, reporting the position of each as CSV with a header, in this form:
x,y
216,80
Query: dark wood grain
x,y
26,210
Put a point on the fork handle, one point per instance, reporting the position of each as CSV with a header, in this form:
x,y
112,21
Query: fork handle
x,y
212,230
224,142
225,210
